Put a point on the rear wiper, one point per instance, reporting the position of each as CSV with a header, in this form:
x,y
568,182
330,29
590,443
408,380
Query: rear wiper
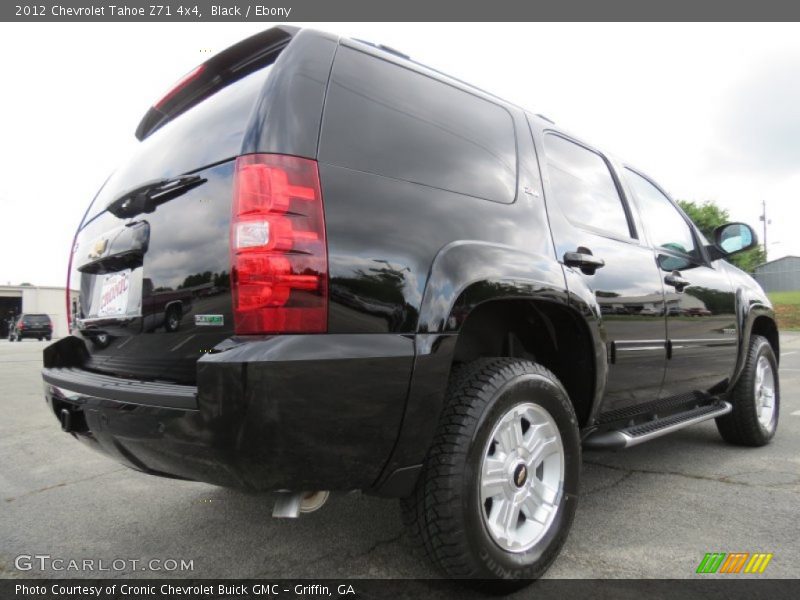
x,y
146,198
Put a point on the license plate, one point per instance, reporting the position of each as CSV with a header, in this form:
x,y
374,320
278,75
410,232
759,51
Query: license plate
x,y
114,294
209,320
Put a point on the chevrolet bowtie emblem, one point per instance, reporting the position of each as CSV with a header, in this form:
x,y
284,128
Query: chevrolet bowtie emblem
x,y
98,248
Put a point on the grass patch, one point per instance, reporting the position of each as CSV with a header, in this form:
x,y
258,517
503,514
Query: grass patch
x,y
785,297
787,309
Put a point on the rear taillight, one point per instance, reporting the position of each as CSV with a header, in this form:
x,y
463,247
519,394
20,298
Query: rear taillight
x,y
279,258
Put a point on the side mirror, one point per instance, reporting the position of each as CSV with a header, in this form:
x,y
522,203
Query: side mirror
x,y
732,238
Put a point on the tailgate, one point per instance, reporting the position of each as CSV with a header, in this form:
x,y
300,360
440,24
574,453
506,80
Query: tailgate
x,y
155,288
152,258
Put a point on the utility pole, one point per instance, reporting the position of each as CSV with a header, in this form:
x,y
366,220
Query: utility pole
x,y
764,220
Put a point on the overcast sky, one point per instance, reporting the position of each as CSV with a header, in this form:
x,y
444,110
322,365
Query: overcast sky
x,y
711,111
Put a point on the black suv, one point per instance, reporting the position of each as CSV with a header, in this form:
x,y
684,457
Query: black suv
x,y
397,283
31,326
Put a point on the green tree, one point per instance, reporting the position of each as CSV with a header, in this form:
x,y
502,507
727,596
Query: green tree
x,y
708,216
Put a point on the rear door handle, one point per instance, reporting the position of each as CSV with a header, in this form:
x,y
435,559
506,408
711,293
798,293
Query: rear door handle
x,y
675,280
584,260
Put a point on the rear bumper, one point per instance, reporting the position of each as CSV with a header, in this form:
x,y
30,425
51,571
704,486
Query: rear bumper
x,y
34,333
286,412
70,382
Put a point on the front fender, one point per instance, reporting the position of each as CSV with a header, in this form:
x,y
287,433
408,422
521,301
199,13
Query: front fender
x,y
750,305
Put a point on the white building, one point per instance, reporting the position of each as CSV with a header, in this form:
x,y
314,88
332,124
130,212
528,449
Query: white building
x,y
18,299
779,275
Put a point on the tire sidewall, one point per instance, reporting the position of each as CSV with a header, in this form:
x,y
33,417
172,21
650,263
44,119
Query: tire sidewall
x,y
493,560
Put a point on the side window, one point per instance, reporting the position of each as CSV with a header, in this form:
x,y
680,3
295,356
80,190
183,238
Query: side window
x,y
388,120
666,227
583,187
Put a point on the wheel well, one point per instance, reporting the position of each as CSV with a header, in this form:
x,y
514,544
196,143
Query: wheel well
x,y
766,327
544,332
174,305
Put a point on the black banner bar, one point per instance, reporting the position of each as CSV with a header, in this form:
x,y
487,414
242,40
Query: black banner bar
x,y
407,10
724,588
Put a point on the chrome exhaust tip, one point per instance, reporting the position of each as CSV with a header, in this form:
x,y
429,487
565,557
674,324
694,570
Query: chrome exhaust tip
x,y
314,501
289,505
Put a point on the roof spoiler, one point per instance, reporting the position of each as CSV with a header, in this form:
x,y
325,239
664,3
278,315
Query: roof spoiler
x,y
220,70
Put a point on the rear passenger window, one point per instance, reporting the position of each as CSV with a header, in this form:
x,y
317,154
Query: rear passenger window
x,y
384,119
583,187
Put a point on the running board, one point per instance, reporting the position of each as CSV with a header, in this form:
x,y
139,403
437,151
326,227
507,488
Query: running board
x,y
644,432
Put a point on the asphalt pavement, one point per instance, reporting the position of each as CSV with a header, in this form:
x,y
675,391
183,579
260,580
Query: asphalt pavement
x,y
651,511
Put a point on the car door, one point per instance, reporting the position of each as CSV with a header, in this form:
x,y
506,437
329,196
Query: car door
x,y
589,215
700,299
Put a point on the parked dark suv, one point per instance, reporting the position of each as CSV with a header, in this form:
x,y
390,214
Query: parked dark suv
x,y
402,285
35,326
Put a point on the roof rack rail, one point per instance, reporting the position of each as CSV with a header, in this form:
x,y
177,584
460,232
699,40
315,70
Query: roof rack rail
x,y
388,49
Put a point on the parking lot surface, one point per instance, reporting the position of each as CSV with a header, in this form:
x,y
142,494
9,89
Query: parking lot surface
x,y
651,511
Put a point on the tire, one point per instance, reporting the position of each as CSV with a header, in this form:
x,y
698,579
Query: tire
x,y
19,338
746,425
48,338
172,320
449,514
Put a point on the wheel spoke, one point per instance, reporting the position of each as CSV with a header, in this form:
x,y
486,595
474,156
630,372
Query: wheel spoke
x,y
544,448
510,434
542,492
507,516
493,477
533,437
549,494
536,510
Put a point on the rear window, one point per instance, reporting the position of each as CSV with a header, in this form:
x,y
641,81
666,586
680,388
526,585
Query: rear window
x,y
384,119
36,319
208,133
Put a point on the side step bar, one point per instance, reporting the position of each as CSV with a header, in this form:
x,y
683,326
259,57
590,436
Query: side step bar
x,y
644,432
